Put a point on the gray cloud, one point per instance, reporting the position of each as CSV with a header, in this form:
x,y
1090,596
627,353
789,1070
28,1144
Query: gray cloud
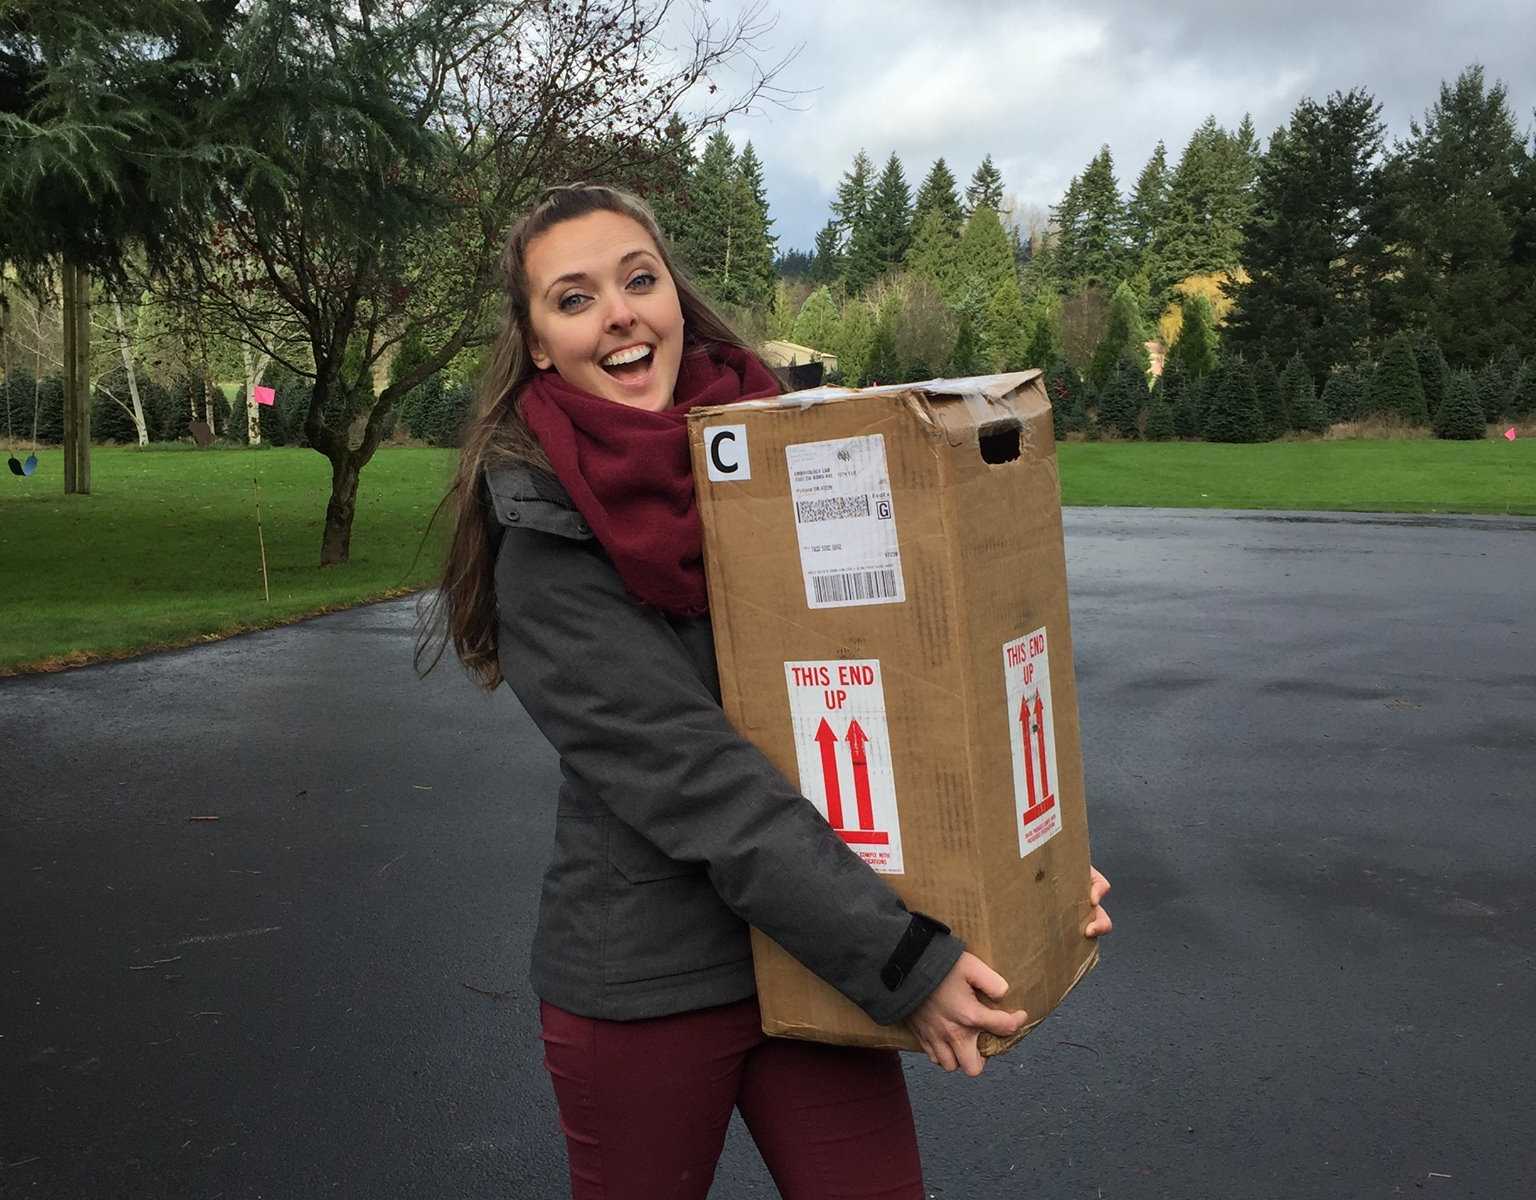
x,y
1041,87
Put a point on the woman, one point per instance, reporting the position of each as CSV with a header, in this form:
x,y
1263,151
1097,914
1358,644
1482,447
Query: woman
x,y
576,575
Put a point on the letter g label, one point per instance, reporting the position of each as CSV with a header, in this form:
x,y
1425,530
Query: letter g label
x,y
725,448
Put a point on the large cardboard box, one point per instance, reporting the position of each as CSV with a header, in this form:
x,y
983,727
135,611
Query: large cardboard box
x,y
887,585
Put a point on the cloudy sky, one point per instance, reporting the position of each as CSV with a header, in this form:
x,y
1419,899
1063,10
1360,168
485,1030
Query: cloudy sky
x,y
1042,86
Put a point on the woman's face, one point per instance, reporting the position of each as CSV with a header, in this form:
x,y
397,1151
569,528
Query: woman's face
x,y
603,310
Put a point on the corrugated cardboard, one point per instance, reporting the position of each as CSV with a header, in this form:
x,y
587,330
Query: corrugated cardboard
x,y
982,566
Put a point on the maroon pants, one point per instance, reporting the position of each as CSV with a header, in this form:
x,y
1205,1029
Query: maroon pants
x,y
645,1105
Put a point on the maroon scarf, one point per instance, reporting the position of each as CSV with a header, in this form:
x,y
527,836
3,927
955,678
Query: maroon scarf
x,y
629,474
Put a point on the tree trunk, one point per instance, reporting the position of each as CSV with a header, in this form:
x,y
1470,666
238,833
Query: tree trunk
x,y
133,381
336,546
253,377
77,380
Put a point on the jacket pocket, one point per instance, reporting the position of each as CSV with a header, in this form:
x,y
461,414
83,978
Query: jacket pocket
x,y
639,861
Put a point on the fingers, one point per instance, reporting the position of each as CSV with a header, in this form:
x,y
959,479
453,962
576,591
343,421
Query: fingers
x,y
1098,886
984,979
999,1023
1099,924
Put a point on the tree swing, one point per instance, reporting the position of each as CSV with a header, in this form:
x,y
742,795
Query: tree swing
x,y
17,467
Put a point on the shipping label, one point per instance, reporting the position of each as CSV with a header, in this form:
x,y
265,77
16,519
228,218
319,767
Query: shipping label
x,y
1027,675
845,522
842,745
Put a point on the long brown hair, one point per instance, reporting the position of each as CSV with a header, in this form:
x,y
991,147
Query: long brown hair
x,y
463,607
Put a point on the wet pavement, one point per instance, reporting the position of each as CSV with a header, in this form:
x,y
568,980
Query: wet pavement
x,y
1311,760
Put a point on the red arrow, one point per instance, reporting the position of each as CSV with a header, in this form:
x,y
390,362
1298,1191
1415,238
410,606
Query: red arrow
x,y
857,740
828,741
1029,751
1045,773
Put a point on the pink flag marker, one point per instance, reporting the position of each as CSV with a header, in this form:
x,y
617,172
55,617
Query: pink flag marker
x,y
1510,433
264,395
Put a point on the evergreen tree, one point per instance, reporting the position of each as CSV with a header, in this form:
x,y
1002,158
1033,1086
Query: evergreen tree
x,y
890,217
1161,426
1396,387
715,210
937,195
1454,187
827,263
986,188
750,246
856,343
1068,395
1509,368
1123,397
1488,384
1195,349
667,181
1232,407
1432,371
1266,386
862,263
1144,214
1298,397
1005,336
934,253
984,263
966,358
1067,217
1310,249
781,316
1208,203
1124,337
854,195
817,324
1461,416
885,363
1184,397
1523,404
1093,245
1043,349
1345,395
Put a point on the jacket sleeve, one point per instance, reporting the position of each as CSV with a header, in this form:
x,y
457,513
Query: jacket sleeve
x,y
610,684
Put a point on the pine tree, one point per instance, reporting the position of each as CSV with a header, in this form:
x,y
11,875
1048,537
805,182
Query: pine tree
x,y
1524,403
1209,198
1232,408
751,247
985,189
1093,246
1125,336
1068,396
1005,336
861,265
934,253
1488,383
1043,349
1509,368
1160,420
1305,410
890,217
1067,217
966,358
854,195
781,315
816,325
1123,397
1432,371
1346,392
855,343
1454,186
1195,348
827,263
984,262
668,181
715,210
1144,214
1311,250
1396,387
1461,415
1266,386
937,194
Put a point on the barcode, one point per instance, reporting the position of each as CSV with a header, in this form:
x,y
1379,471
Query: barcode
x,y
854,585
832,508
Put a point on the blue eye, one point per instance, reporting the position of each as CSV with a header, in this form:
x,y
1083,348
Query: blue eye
x,y
648,279
565,301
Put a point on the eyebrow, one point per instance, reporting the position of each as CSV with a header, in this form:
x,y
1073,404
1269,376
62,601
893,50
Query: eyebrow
x,y
581,276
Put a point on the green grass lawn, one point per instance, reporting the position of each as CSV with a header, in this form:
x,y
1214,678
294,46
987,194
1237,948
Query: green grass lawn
x,y
1492,476
164,551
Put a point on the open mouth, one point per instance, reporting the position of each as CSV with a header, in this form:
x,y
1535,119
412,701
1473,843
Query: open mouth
x,y
632,365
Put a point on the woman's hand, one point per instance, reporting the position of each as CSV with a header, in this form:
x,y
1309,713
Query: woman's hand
x,y
1099,922
948,1022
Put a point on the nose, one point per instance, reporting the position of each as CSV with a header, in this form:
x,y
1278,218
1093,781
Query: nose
x,y
620,315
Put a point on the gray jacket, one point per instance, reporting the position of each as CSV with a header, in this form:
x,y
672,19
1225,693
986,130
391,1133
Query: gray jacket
x,y
673,832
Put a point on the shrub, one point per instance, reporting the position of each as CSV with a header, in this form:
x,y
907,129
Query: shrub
x,y
1461,415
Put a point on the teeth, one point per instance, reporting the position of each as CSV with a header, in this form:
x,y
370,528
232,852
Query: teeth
x,y
619,357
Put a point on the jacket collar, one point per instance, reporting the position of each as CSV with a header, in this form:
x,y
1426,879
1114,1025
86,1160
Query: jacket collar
x,y
525,497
